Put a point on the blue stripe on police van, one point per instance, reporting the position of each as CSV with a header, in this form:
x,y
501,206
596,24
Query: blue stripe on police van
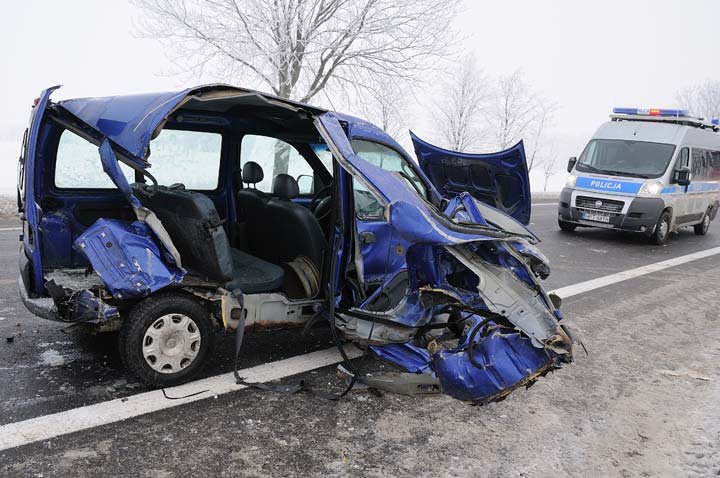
x,y
608,185
697,187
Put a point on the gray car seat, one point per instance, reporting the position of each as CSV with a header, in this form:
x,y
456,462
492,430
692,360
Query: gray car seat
x,y
193,223
287,230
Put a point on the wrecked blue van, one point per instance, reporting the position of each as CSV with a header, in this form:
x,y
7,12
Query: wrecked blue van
x,y
166,216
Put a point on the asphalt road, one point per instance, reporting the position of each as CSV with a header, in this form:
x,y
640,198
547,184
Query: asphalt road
x,y
644,402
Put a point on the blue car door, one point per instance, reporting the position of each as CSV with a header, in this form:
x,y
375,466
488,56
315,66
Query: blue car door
x,y
28,201
499,179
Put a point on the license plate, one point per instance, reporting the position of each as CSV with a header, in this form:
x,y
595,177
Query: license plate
x,y
588,216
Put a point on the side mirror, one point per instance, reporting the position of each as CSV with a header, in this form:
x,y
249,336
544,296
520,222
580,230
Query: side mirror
x,y
682,176
305,183
571,164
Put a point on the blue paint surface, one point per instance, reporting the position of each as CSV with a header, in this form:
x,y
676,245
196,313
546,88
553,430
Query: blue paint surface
x,y
500,179
506,358
608,185
32,215
127,258
693,187
407,356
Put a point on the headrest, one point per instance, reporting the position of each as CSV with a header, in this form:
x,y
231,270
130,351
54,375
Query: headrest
x,y
285,187
252,172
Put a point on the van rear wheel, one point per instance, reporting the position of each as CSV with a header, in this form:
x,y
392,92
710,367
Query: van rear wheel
x,y
662,230
702,228
166,339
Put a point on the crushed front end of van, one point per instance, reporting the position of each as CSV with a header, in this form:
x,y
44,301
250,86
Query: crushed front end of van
x,y
427,266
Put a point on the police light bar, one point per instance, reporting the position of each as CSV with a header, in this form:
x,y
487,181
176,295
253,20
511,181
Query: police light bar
x,y
651,112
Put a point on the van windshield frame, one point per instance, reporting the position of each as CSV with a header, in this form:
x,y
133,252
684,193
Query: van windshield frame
x,y
622,157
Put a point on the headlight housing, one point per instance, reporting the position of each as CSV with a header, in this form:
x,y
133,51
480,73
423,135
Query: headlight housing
x,y
571,180
651,189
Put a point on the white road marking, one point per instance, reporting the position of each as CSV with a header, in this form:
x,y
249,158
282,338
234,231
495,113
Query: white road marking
x,y
2,229
593,284
50,426
70,421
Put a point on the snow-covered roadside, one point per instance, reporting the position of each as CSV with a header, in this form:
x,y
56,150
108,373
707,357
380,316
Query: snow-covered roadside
x,y
8,205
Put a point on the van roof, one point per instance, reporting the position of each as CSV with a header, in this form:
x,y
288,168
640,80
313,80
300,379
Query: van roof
x,y
659,132
130,121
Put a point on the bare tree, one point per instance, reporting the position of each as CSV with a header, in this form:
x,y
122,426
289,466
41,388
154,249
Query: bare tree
x,y
296,48
702,100
519,112
385,106
549,168
459,109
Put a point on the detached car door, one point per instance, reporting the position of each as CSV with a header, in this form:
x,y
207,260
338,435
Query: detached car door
x,y
499,179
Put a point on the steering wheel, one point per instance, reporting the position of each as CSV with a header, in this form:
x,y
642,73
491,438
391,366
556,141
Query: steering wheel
x,y
319,196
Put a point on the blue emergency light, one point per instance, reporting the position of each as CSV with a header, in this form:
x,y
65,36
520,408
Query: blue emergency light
x,y
651,112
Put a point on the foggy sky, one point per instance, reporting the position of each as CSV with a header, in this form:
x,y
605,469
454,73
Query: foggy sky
x,y
585,56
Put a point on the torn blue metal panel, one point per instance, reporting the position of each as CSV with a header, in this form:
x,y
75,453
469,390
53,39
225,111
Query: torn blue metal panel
x,y
112,169
462,208
504,360
409,357
129,120
126,258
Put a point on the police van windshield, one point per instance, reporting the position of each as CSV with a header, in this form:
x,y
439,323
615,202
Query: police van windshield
x,y
625,158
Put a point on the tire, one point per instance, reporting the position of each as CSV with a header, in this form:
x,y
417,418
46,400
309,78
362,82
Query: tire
x,y
166,339
662,230
702,228
566,226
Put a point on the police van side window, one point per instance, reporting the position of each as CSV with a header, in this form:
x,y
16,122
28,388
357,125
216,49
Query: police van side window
x,y
683,160
705,165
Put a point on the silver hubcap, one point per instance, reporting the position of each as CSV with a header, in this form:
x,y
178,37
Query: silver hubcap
x,y
663,228
706,222
171,343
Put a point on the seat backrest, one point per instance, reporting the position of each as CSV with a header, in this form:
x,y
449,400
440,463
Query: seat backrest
x,y
195,228
250,200
287,230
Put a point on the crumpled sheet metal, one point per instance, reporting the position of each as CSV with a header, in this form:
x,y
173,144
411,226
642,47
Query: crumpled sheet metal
x,y
81,306
507,360
407,356
127,259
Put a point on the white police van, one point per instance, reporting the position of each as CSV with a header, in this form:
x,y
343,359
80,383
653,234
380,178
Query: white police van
x,y
646,171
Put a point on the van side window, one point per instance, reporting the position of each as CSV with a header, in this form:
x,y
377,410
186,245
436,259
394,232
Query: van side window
x,y
275,156
78,166
188,157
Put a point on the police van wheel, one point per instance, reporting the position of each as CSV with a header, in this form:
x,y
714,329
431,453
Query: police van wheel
x,y
566,226
166,339
702,228
662,230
